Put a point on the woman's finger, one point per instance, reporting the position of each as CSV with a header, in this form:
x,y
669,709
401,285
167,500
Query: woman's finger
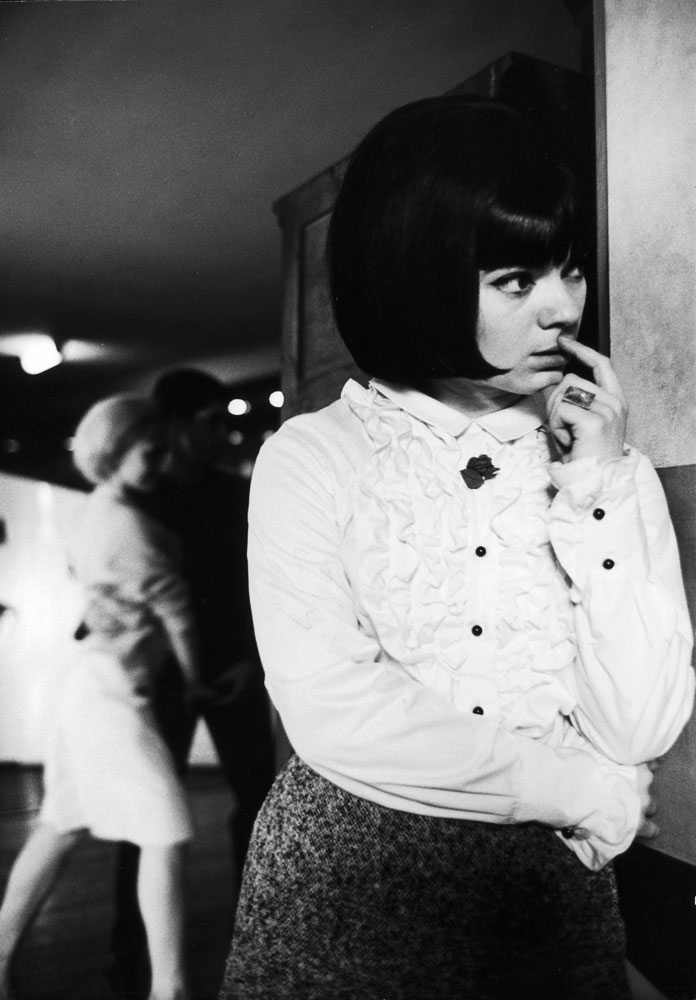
x,y
647,829
600,366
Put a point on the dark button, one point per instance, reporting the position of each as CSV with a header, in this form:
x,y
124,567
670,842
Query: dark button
x,y
608,564
477,630
477,710
598,514
568,832
480,551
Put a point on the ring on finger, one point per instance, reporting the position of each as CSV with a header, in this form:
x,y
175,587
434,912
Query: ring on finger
x,y
579,397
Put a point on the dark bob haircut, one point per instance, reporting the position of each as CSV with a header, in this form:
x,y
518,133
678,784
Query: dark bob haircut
x,y
436,191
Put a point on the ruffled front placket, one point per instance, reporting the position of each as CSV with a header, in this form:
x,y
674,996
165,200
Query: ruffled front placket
x,y
413,534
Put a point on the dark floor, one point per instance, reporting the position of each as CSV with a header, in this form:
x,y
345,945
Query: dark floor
x,y
64,954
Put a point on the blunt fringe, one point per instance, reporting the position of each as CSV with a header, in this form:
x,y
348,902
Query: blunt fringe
x,y
437,190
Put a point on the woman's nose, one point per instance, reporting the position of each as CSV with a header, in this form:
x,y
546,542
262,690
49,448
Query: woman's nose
x,y
561,301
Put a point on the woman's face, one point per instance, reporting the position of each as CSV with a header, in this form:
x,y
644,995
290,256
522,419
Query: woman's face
x,y
140,466
522,311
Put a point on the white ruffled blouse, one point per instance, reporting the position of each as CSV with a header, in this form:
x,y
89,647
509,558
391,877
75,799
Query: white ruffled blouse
x,y
508,653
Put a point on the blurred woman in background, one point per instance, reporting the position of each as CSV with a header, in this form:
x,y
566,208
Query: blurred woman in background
x,y
107,770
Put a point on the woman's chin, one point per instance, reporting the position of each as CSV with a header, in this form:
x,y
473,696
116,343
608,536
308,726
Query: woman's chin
x,y
548,379
533,383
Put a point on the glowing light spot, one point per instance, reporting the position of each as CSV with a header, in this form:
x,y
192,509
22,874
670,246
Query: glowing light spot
x,y
38,354
238,407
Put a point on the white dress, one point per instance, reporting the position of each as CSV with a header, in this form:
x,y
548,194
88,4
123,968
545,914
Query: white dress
x,y
107,768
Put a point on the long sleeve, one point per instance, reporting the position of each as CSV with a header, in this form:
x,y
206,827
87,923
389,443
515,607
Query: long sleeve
x,y
611,533
149,566
357,717
129,566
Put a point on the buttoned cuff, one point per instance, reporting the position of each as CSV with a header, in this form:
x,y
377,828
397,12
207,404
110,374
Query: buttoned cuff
x,y
612,827
595,523
582,483
599,803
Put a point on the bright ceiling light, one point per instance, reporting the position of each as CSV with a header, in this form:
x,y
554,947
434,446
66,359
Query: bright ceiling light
x,y
276,399
238,407
39,353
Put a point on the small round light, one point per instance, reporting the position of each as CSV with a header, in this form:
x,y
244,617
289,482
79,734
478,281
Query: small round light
x,y
235,437
238,407
69,443
11,446
267,434
276,399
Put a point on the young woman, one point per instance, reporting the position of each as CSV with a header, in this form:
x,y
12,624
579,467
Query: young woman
x,y
107,769
467,598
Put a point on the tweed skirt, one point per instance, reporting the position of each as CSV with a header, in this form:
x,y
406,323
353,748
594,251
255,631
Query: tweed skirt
x,y
344,898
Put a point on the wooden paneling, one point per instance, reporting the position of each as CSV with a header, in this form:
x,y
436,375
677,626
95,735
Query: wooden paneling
x,y
316,362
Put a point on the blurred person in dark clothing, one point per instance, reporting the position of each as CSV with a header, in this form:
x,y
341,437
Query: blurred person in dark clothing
x,y
206,506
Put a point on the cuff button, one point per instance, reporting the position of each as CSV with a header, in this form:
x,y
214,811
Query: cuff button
x,y
598,514
608,564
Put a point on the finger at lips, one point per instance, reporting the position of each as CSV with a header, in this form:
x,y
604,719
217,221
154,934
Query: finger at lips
x,y
600,366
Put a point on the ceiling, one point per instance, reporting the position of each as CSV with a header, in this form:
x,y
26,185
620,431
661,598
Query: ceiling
x,y
142,145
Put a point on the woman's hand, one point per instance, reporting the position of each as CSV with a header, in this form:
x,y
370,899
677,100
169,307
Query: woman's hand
x,y
598,430
648,827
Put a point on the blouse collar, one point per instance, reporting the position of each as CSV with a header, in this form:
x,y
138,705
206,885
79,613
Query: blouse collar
x,y
507,424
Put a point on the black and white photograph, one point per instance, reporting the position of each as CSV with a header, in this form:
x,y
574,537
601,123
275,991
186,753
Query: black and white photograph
x,y
347,499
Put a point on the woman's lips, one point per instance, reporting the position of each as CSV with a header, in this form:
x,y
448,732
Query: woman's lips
x,y
549,360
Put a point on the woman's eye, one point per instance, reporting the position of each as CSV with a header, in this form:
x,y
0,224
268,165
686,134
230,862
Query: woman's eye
x,y
515,283
576,273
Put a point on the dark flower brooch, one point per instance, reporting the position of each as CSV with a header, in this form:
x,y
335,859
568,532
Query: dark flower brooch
x,y
477,471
